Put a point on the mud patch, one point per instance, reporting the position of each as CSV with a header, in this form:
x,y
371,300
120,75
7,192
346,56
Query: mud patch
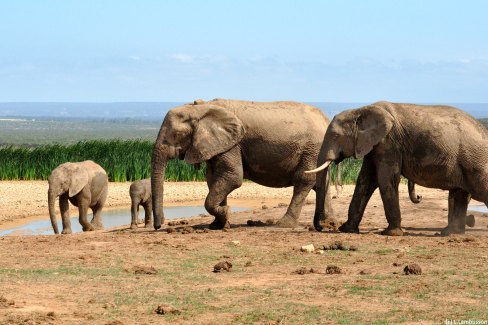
x,y
412,269
222,266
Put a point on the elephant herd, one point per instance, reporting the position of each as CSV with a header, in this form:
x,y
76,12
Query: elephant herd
x,y
280,144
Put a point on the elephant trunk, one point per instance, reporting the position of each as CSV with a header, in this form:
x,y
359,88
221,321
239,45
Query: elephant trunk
x,y
160,158
322,186
51,198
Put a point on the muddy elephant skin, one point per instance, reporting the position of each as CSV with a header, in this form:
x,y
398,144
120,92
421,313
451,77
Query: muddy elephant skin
x,y
433,146
270,143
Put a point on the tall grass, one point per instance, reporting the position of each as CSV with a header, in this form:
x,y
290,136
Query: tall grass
x,y
349,170
124,160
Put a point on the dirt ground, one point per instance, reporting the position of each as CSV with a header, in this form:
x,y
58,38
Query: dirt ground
x,y
121,276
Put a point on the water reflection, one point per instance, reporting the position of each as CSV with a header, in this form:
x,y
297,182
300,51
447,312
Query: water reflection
x,y
111,218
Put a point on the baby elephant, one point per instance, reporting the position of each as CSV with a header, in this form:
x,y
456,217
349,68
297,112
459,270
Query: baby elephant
x,y
85,185
140,194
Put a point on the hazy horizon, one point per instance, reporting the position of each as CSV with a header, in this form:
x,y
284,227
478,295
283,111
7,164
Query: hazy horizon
x,y
156,110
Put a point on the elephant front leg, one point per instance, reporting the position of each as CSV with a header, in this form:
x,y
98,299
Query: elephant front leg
x,y
458,205
365,186
64,208
224,174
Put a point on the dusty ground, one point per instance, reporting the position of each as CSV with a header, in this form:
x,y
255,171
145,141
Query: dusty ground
x,y
122,277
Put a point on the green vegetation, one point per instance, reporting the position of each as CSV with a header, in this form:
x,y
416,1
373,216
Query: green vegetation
x,y
124,160
484,121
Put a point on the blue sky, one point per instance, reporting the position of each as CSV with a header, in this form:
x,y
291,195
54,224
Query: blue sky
x,y
334,51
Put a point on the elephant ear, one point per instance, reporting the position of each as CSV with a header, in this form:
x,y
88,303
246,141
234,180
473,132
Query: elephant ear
x,y
373,125
217,130
78,180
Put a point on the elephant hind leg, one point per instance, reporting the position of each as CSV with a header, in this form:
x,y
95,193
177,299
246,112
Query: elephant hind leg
x,y
97,210
147,214
64,208
300,193
458,205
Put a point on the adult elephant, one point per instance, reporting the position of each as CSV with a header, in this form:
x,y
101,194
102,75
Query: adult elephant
x,y
270,143
85,185
433,146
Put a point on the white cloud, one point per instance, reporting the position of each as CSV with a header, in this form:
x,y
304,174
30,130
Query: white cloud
x,y
183,58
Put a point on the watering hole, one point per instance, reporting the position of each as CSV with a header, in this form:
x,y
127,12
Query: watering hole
x,y
478,208
110,218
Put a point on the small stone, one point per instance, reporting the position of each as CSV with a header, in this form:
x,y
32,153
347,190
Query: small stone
x,y
364,272
236,242
308,248
264,207
320,252
170,230
248,263
198,102
222,266
412,269
166,309
332,269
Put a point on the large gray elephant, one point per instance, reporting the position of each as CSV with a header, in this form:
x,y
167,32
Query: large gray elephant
x,y
140,194
433,146
85,185
271,144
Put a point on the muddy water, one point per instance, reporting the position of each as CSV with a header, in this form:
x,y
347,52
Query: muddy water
x,y
111,218
477,207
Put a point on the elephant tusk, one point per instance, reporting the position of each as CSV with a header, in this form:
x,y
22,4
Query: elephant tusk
x,y
316,170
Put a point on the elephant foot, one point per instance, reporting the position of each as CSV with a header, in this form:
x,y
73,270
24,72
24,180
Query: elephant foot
x,y
97,225
329,223
470,221
148,225
287,221
347,227
66,231
217,225
451,231
88,227
133,226
397,231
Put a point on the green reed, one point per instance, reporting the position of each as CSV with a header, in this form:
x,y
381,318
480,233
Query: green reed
x,y
124,160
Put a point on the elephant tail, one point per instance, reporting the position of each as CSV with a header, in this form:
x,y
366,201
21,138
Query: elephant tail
x,y
411,193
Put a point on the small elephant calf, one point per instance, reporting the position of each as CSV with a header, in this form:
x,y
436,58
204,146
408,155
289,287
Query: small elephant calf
x,y
85,185
140,194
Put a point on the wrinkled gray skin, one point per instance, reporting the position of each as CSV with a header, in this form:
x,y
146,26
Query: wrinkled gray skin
x,y
140,194
85,185
271,144
433,146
